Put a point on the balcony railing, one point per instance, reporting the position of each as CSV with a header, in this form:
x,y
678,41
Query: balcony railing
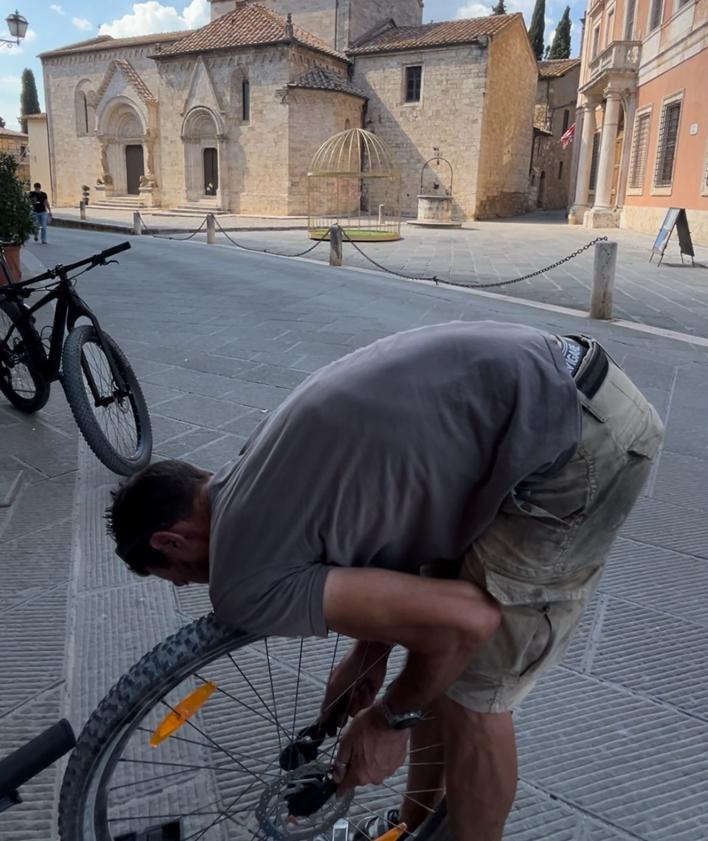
x,y
619,57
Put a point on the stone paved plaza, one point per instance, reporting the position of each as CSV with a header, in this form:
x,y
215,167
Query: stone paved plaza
x,y
612,743
673,296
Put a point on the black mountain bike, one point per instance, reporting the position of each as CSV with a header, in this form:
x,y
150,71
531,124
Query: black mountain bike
x,y
100,386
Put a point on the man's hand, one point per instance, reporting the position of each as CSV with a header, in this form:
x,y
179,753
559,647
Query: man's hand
x,y
354,683
369,751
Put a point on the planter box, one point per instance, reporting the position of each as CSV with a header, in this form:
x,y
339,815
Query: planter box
x,y
12,259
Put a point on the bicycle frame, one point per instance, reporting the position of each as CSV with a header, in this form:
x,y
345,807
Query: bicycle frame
x,y
70,307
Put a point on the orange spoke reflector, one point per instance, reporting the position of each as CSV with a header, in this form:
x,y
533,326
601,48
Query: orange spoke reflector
x,y
181,714
393,834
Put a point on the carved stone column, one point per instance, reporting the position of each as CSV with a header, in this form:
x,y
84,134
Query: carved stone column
x,y
580,205
602,215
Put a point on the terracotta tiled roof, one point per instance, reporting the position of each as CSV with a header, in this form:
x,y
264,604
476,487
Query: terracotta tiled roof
x,y
556,67
249,25
107,42
8,132
443,34
323,79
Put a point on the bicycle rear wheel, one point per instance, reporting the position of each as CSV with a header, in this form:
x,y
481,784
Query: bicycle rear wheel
x,y
114,422
218,778
20,382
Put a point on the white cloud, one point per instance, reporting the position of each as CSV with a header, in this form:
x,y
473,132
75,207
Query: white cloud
x,y
473,10
55,7
82,23
152,16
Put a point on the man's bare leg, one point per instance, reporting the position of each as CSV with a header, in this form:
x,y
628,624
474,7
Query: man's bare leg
x,y
426,771
480,770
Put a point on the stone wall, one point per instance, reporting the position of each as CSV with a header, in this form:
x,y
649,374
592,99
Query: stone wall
x,y
254,168
508,124
340,23
359,16
76,156
314,116
448,116
550,163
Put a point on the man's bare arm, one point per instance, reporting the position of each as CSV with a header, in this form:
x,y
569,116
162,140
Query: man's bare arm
x,y
441,623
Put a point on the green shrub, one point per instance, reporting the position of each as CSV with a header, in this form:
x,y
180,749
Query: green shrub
x,y
16,217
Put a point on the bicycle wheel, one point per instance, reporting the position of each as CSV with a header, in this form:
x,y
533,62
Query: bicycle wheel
x,y
20,382
219,775
115,425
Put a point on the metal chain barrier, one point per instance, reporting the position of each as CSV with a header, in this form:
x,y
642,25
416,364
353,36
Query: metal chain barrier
x,y
170,236
437,280
265,250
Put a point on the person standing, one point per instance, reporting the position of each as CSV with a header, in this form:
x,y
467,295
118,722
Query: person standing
x,y
42,211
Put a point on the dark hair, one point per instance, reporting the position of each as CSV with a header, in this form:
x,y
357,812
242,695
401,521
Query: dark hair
x,y
152,500
37,184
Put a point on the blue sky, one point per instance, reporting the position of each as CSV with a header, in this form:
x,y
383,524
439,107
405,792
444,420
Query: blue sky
x,y
53,25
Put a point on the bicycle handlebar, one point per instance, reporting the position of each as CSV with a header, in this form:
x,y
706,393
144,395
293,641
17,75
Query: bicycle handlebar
x,y
27,761
95,260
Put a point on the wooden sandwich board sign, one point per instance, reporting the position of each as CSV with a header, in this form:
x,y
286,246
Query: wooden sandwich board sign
x,y
675,218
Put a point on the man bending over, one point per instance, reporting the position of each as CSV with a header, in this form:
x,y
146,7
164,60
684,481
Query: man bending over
x,y
453,489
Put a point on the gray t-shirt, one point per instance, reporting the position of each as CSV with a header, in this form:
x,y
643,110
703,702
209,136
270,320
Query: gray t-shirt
x,y
395,456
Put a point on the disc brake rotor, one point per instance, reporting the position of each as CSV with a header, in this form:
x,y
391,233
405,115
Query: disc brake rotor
x,y
308,790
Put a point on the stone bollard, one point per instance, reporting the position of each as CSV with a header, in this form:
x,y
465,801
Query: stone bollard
x,y
381,214
137,224
335,246
211,228
82,210
603,280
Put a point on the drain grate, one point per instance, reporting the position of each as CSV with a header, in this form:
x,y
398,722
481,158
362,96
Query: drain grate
x,y
166,832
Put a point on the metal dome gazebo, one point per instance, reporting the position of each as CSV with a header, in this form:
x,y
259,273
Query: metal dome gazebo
x,y
353,182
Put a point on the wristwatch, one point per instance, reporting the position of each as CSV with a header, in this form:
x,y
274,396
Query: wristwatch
x,y
400,721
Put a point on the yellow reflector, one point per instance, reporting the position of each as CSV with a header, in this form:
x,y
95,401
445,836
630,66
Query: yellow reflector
x,y
181,714
393,834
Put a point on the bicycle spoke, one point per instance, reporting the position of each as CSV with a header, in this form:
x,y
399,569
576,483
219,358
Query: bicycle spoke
x,y
297,686
191,723
272,692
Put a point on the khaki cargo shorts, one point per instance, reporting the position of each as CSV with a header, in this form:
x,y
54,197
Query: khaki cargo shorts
x,y
543,555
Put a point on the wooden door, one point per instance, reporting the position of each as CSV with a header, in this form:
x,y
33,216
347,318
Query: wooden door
x,y
135,168
211,172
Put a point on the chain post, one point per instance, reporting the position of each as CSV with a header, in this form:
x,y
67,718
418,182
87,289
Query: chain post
x,y
335,246
211,228
603,280
137,224
82,210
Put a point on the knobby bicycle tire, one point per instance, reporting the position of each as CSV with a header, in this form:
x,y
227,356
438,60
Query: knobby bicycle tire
x,y
83,799
80,401
26,343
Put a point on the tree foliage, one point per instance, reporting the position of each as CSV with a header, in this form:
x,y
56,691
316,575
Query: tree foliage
x,y
538,24
16,218
499,9
560,47
29,101
2,123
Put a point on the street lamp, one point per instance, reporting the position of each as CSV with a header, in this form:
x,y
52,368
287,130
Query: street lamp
x,y
17,27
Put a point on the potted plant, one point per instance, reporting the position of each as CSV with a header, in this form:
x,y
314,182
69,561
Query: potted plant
x,y
85,190
16,218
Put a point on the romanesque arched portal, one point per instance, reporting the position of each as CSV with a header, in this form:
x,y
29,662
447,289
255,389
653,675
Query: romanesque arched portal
x,y
123,137
201,135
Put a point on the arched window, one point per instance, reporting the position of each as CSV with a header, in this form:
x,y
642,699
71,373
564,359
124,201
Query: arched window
x,y
85,110
246,101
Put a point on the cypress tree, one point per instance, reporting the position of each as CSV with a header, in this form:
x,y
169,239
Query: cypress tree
x,y
538,24
29,101
499,9
560,48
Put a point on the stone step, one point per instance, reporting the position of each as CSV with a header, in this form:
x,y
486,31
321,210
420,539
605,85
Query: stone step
x,y
118,204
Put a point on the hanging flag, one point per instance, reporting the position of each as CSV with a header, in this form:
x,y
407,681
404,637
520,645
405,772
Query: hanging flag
x,y
567,138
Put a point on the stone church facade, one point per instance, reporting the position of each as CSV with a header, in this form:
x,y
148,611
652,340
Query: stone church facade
x,y
229,116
